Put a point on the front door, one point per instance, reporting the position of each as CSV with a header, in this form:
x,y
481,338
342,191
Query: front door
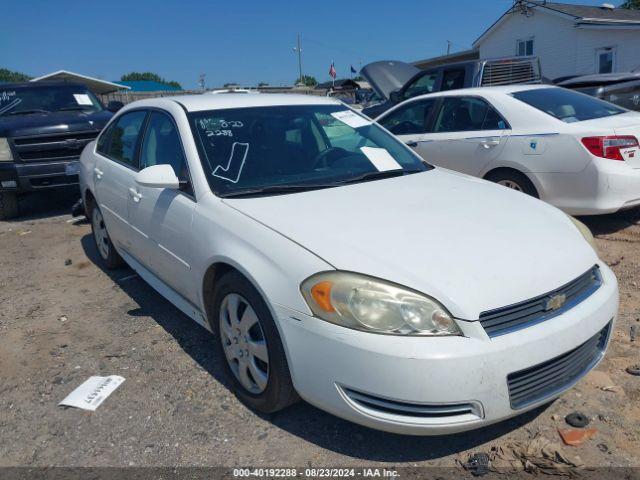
x,y
164,216
410,122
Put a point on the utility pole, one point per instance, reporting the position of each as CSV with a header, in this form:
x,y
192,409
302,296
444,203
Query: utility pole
x,y
448,47
201,80
298,50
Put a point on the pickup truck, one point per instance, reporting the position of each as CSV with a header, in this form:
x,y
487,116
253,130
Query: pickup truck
x,y
43,128
395,81
620,88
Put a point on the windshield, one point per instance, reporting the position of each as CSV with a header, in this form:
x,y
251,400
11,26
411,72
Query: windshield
x,y
567,105
45,99
248,149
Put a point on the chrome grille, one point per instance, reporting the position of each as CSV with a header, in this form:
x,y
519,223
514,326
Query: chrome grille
x,y
64,146
551,377
530,312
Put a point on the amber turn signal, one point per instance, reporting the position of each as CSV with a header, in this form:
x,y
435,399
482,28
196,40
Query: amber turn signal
x,y
321,293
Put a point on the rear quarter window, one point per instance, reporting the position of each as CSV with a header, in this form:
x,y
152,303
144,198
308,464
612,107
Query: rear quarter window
x,y
567,105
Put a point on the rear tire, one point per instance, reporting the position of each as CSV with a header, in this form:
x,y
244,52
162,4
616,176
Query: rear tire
x,y
8,205
107,252
254,359
514,180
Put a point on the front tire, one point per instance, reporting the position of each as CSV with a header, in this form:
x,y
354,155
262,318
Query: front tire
x,y
110,257
515,181
8,205
248,342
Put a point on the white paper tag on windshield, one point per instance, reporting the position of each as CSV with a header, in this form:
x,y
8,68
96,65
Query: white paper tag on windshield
x,y
631,156
93,392
381,159
82,99
351,118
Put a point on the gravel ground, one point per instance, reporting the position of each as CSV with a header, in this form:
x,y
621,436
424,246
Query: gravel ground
x,y
60,324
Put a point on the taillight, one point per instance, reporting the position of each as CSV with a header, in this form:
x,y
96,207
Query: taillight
x,y
609,147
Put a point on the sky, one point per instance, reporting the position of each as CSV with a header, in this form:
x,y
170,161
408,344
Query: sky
x,y
230,41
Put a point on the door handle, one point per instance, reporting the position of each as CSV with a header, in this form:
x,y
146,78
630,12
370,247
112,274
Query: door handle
x,y
135,194
98,173
489,142
412,144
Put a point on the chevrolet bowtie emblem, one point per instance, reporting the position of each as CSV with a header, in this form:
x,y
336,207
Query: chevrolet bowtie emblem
x,y
555,302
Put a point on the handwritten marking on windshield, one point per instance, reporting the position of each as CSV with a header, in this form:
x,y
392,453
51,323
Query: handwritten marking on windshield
x,y
235,154
10,105
219,133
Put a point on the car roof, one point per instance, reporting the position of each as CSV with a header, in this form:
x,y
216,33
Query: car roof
x,y
200,102
502,89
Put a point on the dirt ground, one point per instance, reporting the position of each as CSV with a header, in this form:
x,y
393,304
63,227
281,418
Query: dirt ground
x,y
61,323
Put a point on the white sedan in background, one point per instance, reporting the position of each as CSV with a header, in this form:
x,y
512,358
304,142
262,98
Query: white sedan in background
x,y
569,149
333,264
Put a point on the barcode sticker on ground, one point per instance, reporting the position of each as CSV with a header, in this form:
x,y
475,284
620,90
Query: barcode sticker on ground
x,y
92,392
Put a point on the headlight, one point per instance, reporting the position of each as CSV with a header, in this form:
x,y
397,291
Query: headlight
x,y
5,151
586,233
372,305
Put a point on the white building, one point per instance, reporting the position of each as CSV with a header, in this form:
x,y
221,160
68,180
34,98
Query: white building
x,y
568,39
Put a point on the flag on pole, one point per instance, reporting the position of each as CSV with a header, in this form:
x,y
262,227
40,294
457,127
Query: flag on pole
x,y
353,70
332,71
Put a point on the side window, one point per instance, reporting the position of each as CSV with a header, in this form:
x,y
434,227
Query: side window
x,y
453,79
410,119
162,146
459,114
424,84
103,140
124,136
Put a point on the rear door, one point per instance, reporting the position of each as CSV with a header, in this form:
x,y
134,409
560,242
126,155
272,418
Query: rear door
x,y
411,121
163,217
114,174
467,134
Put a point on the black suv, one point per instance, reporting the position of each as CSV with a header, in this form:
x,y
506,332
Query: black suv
x,y
43,129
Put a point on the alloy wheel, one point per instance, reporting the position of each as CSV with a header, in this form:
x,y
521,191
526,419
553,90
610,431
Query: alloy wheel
x,y
244,343
510,184
100,234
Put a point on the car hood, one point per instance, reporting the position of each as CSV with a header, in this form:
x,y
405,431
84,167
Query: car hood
x,y
54,122
388,75
471,244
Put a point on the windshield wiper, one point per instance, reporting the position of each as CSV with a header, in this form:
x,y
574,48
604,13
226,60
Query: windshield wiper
x,y
27,112
376,175
316,186
278,189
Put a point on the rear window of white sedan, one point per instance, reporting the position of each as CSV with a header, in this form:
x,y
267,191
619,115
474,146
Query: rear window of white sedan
x,y
567,105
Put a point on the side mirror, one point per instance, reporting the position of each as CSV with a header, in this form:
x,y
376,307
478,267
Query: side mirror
x,y
158,176
114,106
395,96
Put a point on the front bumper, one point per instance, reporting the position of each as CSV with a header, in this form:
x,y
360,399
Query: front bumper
x,y
28,177
462,379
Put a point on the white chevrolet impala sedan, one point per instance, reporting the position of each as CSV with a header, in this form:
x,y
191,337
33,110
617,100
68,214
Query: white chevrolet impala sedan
x,y
332,264
574,151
